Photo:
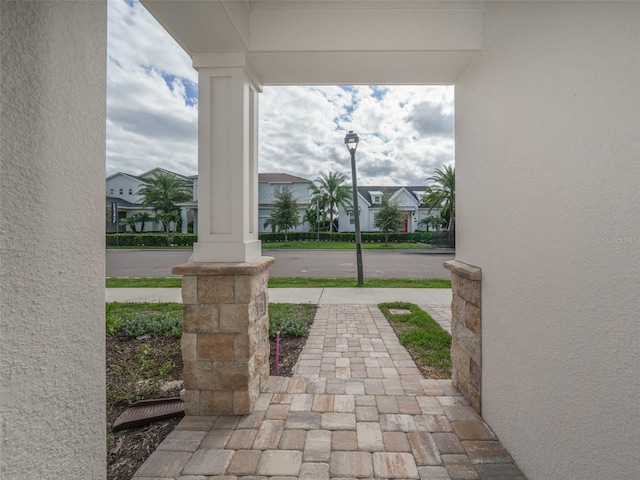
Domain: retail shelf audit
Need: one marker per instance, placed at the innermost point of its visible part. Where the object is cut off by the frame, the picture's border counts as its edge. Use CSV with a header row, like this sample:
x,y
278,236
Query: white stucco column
x,y
227,160
184,214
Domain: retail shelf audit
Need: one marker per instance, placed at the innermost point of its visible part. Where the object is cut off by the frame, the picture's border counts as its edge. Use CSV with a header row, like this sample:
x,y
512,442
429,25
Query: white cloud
x,y
151,119
302,131
405,132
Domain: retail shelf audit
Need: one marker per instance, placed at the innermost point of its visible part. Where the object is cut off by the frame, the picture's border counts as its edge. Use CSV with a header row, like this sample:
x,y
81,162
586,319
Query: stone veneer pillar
x,y
225,342
466,331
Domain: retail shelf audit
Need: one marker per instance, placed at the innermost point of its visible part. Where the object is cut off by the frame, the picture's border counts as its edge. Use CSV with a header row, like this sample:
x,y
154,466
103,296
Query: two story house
x,y
408,198
123,188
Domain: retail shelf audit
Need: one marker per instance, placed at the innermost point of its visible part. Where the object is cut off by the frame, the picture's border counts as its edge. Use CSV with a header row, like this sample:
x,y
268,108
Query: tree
x,y
433,221
128,222
162,193
270,222
285,213
441,193
311,217
142,218
388,218
330,192
169,220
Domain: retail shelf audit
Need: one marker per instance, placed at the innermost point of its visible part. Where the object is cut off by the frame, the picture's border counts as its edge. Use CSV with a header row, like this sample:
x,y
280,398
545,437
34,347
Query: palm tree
x,y
441,193
142,218
163,192
330,192
128,222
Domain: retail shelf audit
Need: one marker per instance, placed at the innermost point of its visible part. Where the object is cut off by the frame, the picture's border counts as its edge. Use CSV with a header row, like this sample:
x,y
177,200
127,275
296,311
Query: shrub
x,y
435,238
150,239
136,324
113,324
293,320
159,239
291,327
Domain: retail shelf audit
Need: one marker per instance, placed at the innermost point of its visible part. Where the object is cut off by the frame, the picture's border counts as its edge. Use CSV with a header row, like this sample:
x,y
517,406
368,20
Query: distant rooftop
x,y
281,178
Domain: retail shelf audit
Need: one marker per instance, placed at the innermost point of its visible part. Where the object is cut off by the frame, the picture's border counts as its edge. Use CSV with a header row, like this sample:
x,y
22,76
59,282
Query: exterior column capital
x,y
212,64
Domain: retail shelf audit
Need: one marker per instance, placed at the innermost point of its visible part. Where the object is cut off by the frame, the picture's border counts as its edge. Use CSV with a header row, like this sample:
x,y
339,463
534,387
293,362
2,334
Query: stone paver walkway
x,y
357,407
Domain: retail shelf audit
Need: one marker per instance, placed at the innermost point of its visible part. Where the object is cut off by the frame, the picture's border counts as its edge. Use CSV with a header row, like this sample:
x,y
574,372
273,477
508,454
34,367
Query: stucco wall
x,y
547,146
52,140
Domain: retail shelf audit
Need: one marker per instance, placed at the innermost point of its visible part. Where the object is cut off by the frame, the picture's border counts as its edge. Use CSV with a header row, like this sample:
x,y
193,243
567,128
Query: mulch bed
x,y
128,449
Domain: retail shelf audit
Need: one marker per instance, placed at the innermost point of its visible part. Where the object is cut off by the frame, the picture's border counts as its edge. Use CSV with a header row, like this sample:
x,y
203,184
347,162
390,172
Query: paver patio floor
x,y
356,407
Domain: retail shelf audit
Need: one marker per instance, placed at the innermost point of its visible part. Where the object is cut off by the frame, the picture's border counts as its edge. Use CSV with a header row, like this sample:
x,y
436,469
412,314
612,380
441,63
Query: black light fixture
x,y
351,141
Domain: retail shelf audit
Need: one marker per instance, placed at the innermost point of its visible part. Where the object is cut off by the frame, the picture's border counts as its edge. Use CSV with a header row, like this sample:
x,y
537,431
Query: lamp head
x,y
351,141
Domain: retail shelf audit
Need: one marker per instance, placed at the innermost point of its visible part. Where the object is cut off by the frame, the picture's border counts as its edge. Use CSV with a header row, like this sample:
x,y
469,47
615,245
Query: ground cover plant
x,y
144,282
292,282
427,343
144,361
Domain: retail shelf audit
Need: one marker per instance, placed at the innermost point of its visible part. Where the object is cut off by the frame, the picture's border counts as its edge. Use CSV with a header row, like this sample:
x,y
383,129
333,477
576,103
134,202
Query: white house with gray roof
x,y
270,185
123,188
408,198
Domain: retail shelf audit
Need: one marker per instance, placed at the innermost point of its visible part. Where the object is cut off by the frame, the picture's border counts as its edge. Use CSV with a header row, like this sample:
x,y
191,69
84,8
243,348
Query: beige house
x,y
547,97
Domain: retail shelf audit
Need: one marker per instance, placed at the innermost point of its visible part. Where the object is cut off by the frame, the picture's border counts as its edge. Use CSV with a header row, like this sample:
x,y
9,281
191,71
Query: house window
x,y
131,191
121,191
278,189
111,192
352,219
376,197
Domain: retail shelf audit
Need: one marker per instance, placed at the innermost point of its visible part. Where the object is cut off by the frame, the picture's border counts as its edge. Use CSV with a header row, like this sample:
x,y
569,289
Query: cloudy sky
x,y
405,132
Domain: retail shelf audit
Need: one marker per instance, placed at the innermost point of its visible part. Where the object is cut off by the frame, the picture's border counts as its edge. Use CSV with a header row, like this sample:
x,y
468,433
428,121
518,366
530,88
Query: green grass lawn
x,y
291,282
310,245
301,245
310,282
133,247
424,339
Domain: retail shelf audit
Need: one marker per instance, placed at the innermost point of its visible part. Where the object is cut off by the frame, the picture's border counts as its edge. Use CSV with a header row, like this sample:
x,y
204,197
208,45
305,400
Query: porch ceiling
x,y
329,42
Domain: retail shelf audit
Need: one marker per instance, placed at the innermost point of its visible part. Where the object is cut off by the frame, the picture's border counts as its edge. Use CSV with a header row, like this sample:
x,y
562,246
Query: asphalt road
x,y
295,263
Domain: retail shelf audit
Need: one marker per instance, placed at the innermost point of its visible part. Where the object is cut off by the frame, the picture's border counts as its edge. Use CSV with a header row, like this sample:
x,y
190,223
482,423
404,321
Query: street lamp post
x,y
351,141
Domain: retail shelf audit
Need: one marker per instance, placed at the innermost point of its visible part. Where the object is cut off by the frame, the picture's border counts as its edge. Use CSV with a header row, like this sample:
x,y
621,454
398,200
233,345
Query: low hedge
x,y
150,239
188,239
435,238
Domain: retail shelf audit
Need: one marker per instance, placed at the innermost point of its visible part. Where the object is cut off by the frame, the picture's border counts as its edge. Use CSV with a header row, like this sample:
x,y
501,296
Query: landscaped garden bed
x,y
144,361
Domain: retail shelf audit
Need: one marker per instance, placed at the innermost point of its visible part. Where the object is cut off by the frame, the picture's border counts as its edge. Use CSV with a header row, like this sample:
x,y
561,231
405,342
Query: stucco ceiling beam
x,y
360,68
366,30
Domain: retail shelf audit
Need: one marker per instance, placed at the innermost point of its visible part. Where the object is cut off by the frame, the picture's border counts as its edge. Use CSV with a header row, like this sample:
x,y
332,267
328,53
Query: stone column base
x,y
466,331
225,341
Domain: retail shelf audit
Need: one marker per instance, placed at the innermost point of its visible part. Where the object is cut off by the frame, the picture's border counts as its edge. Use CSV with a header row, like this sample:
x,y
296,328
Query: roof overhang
x,y
309,42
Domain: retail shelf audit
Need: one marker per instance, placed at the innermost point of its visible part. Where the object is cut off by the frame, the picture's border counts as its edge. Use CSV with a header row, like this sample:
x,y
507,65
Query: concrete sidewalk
x,y
435,301
320,296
